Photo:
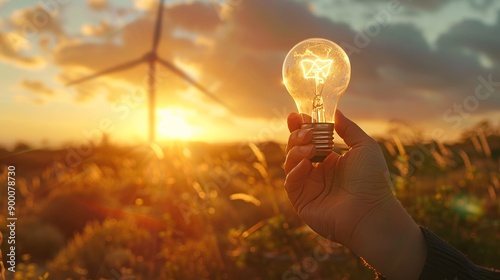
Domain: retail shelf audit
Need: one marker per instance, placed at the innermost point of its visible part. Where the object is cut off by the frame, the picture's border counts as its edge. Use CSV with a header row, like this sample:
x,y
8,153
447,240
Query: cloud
x,y
397,69
274,25
98,5
429,5
113,90
399,75
22,28
250,49
145,4
101,29
37,87
396,75
11,45
33,20
475,36
79,58
44,42
424,5
183,15
480,4
40,92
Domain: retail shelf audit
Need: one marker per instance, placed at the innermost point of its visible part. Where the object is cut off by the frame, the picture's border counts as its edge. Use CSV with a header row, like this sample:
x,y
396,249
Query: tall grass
x,y
199,211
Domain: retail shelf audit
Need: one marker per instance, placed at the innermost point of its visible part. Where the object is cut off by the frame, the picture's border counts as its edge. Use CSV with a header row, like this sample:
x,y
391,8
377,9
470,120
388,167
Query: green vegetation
x,y
199,211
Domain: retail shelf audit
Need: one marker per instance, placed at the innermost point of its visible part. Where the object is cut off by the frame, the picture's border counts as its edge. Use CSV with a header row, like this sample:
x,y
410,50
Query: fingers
x,y
349,131
295,179
295,120
330,162
298,148
352,134
297,154
299,137
305,118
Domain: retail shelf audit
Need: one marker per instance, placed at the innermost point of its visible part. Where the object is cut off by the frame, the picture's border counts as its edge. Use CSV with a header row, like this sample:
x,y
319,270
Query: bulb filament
x,y
317,69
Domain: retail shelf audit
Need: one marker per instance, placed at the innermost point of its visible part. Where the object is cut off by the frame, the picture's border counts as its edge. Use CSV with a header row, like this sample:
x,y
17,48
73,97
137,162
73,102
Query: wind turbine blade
x,y
159,18
188,79
107,71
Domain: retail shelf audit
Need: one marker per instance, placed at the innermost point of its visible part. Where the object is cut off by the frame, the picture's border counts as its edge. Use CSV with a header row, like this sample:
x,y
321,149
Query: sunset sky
x,y
417,62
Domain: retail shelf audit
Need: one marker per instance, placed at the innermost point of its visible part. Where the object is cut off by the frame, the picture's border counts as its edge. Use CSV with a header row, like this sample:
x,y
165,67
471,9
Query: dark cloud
x,y
418,4
395,73
401,56
250,50
475,36
480,4
400,75
279,25
193,16
429,5
392,72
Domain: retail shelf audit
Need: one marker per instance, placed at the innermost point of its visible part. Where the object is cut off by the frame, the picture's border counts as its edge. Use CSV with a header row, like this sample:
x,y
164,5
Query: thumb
x,y
352,134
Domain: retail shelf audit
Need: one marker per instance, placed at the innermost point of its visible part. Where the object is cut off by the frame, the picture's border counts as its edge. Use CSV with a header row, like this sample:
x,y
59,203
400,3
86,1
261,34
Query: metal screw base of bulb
x,y
322,139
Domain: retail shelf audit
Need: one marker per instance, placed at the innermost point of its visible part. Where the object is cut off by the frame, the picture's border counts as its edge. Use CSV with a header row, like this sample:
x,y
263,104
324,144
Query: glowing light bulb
x,y
316,73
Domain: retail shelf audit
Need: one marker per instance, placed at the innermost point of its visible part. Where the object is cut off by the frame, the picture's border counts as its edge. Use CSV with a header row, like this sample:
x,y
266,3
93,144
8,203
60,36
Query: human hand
x,y
348,199
337,195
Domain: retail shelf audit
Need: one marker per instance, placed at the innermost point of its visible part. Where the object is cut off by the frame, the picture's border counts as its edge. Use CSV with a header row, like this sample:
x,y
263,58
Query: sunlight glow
x,y
314,69
173,123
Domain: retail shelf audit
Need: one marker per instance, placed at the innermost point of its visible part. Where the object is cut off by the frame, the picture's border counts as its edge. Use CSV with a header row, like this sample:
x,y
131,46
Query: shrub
x,y
106,250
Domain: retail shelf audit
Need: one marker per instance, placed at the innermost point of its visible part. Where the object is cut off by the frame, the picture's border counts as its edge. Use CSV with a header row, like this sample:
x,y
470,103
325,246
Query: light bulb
x,y
316,73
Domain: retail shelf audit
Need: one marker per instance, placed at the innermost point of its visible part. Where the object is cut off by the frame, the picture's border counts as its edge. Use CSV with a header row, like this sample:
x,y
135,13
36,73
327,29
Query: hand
x,y
336,196
348,199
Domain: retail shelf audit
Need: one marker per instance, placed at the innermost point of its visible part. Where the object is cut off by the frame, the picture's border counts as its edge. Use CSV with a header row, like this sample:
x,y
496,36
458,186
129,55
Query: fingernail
x,y
306,149
303,133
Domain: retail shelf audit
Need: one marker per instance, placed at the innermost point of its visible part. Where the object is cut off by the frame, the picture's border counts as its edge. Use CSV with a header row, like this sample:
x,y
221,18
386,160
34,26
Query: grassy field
x,y
207,211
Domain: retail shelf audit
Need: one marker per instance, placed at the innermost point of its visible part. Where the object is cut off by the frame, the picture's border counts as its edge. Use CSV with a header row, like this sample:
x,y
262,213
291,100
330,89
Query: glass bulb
x,y
316,73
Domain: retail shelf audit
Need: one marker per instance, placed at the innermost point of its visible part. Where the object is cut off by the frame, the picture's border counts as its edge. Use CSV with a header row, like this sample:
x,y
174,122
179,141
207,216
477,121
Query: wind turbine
x,y
151,58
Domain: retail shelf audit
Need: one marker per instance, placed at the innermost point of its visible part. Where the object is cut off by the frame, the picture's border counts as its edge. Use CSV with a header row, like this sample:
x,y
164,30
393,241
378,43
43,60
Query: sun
x,y
173,124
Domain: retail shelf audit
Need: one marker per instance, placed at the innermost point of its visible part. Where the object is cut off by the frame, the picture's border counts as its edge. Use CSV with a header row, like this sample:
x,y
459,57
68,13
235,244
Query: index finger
x,y
295,120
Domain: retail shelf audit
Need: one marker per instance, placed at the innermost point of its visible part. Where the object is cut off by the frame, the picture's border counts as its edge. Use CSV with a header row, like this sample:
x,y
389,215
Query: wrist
x,y
390,241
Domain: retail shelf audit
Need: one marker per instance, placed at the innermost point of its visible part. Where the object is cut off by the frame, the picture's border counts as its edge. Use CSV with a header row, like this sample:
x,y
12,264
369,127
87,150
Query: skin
x,y
348,199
